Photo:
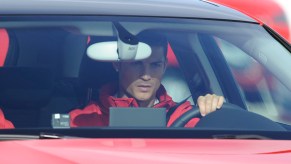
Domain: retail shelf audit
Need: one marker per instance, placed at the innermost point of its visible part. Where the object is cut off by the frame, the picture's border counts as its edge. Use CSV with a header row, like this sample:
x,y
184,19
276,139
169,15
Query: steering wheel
x,y
230,116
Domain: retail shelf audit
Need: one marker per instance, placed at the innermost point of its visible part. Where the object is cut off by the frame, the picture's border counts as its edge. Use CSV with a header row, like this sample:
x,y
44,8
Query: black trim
x,y
278,37
83,17
191,67
173,133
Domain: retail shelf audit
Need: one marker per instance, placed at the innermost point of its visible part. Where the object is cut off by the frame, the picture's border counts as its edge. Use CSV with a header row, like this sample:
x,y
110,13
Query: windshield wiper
x,y
9,137
5,137
245,136
50,136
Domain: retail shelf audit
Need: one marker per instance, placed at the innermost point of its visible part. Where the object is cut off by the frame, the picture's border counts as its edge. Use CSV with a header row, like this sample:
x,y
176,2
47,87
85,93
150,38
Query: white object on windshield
x,y
107,51
127,47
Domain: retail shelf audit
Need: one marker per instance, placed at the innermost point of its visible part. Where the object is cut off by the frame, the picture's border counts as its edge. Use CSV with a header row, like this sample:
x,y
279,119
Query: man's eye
x,y
157,64
136,63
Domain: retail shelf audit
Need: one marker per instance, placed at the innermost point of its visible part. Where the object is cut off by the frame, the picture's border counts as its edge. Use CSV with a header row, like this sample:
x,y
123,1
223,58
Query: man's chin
x,y
143,97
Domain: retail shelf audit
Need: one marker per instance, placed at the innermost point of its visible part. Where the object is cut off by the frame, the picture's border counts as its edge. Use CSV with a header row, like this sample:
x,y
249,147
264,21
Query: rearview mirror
x,y
112,51
126,48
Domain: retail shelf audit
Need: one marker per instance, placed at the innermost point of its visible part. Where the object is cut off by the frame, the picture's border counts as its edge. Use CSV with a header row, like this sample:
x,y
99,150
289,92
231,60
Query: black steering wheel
x,y
230,116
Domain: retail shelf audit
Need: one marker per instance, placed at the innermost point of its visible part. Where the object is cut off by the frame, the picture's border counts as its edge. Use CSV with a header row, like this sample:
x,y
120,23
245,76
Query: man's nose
x,y
146,73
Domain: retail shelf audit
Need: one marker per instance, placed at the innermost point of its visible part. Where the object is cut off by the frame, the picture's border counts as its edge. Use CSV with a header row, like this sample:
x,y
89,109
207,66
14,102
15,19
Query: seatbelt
x,y
172,109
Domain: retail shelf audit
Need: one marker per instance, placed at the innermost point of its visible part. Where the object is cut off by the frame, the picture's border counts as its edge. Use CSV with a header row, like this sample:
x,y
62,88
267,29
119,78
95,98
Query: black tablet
x,y
137,117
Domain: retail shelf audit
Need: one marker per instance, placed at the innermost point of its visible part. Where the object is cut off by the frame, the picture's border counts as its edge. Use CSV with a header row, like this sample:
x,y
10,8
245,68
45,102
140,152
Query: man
x,y
139,85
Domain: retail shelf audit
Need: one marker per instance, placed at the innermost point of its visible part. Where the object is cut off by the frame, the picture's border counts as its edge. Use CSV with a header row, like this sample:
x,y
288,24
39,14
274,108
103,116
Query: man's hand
x,y
209,103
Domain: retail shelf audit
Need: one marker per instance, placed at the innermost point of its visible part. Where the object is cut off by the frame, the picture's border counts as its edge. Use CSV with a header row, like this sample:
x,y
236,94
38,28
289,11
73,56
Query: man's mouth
x,y
144,87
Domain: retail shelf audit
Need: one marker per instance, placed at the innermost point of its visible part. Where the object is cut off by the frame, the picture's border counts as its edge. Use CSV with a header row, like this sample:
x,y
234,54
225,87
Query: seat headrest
x,y
24,87
4,40
94,74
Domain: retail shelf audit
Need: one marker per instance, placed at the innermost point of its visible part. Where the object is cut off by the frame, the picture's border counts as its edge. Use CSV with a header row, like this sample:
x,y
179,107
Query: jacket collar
x,y
108,100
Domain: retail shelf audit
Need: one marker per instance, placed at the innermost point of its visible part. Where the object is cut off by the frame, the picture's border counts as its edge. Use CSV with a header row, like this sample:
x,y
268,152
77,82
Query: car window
x,y
49,80
263,92
143,81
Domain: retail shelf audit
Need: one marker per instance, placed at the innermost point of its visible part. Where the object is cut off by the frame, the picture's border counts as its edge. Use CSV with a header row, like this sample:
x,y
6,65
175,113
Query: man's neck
x,y
148,103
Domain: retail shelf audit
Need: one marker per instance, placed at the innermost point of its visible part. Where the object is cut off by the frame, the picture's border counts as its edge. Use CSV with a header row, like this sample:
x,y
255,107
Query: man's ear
x,y
116,66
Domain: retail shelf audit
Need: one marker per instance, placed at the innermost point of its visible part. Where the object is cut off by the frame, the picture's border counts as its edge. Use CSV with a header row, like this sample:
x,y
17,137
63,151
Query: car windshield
x,y
49,79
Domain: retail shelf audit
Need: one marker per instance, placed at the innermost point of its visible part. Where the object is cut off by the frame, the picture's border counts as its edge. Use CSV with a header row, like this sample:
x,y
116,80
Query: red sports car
x,y
65,96
271,12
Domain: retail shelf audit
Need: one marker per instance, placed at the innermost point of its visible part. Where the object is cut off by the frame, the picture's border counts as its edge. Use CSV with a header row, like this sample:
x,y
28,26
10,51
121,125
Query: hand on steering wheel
x,y
195,113
230,116
209,103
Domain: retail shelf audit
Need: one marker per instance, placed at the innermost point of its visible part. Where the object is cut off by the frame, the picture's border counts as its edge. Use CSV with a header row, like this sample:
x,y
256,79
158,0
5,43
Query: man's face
x,y
141,79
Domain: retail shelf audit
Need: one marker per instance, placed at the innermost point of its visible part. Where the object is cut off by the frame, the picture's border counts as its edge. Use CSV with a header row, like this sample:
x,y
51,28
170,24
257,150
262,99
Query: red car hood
x,y
145,151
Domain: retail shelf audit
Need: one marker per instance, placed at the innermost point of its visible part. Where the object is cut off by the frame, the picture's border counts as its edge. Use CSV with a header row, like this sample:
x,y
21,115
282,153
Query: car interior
x,y
56,76
47,70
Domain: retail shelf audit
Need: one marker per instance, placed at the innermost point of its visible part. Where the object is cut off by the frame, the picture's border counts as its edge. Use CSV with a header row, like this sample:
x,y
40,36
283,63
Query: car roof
x,y
156,8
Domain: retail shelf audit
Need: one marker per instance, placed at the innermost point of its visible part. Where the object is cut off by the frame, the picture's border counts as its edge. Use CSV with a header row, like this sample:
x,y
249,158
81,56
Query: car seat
x,y
94,74
67,93
4,45
24,91
55,49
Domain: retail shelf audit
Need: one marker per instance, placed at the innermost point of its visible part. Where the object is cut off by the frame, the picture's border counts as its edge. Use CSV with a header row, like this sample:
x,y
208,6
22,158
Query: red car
x,y
56,56
268,11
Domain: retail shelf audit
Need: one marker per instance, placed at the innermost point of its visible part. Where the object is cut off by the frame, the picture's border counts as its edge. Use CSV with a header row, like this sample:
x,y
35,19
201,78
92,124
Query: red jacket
x,y
97,113
5,124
